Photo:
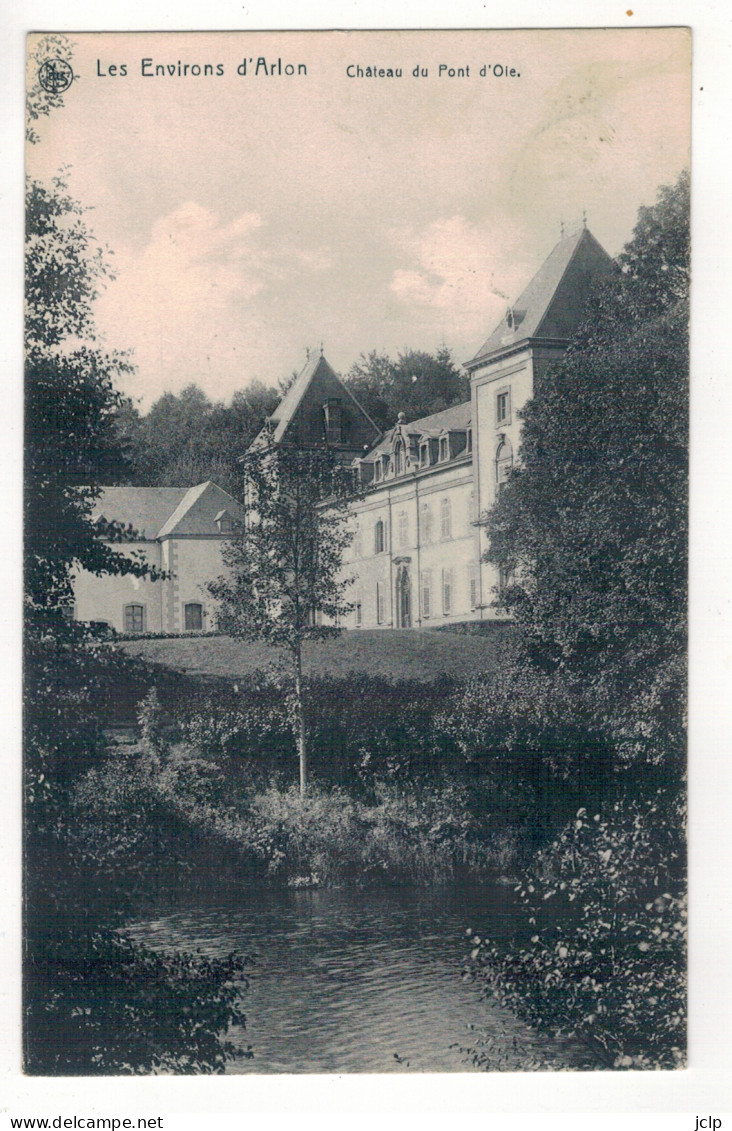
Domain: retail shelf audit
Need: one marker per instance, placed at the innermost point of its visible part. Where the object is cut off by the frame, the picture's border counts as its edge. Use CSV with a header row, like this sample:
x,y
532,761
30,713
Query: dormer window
x,y
424,454
444,448
333,413
385,466
224,522
400,461
469,441
377,471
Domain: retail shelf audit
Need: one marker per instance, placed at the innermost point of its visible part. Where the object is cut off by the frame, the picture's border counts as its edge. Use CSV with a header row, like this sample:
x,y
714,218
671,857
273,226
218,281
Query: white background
x,y
704,1088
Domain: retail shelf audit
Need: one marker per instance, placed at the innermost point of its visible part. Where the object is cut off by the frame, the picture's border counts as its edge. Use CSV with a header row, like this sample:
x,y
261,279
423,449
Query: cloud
x,y
192,301
458,271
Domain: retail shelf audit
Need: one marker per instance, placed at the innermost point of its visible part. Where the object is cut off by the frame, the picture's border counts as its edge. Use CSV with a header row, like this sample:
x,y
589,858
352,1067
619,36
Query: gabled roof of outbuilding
x,y
144,508
156,512
550,306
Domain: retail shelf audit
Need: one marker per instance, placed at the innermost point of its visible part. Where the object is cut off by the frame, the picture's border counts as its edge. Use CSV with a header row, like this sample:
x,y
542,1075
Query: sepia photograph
x,y
356,552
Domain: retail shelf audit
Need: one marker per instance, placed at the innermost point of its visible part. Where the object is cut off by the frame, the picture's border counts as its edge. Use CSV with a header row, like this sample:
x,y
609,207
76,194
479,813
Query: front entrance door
x,y
403,599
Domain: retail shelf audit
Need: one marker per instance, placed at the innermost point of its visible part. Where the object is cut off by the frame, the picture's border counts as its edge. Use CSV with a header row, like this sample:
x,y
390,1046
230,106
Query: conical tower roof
x,y
550,308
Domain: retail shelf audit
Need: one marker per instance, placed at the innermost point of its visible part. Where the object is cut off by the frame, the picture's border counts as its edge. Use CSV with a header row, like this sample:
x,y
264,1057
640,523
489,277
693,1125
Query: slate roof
x,y
155,512
548,305
284,413
456,418
147,509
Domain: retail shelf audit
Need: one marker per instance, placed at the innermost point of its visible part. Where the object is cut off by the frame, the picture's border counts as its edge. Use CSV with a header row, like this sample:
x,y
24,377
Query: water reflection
x,y
350,981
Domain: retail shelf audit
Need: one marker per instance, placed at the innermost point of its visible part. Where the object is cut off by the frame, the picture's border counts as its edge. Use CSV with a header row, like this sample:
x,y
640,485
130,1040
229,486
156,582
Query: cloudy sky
x,y
252,216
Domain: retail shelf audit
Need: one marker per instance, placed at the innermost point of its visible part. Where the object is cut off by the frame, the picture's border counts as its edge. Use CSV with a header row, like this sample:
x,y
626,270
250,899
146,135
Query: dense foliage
x,y
593,524
605,960
186,438
93,1000
223,782
134,1010
593,527
70,401
417,383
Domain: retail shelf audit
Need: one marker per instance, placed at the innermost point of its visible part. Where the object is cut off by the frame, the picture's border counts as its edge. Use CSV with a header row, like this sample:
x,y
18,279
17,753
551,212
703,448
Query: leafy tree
x,y
70,401
186,438
602,958
93,1001
40,102
594,521
285,561
417,383
594,524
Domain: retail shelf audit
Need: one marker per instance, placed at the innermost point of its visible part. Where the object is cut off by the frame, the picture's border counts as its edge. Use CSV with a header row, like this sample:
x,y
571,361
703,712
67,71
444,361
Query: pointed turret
x,y
550,308
319,409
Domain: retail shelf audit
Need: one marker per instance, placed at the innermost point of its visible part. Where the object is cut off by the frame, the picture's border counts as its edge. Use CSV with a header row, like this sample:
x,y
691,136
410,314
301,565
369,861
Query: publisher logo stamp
x,y
55,76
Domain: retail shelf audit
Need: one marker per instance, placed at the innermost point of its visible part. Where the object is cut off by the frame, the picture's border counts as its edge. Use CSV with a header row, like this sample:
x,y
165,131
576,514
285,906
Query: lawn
x,y
402,654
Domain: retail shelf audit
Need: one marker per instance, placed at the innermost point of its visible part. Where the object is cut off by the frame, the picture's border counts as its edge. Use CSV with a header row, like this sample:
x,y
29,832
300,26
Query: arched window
x,y
504,463
445,518
426,524
134,618
379,537
193,616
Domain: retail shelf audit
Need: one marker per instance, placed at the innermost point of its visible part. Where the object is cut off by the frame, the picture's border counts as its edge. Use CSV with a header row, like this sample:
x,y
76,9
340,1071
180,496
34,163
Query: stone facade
x,y
417,551
416,556
180,531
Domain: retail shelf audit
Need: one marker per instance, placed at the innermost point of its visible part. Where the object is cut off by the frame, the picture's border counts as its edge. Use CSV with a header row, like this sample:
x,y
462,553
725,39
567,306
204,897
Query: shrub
x,y
602,957
99,1003
522,730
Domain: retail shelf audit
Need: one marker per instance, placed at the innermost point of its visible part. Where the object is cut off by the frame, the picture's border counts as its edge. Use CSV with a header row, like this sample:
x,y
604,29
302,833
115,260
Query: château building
x,y
416,554
417,550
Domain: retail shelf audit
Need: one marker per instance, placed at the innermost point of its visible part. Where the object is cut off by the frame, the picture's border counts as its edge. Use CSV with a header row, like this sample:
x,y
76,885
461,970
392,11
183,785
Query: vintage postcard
x,y
356,551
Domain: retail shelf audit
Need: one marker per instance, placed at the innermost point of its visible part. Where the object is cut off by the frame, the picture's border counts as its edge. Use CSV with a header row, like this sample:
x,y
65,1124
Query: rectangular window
x,y
426,593
424,455
503,406
444,449
379,602
446,591
359,614
445,519
505,578
193,617
134,618
473,585
403,529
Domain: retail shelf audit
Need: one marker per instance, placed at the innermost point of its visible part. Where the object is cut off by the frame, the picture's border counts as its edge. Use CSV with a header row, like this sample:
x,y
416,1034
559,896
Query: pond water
x,y
353,981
